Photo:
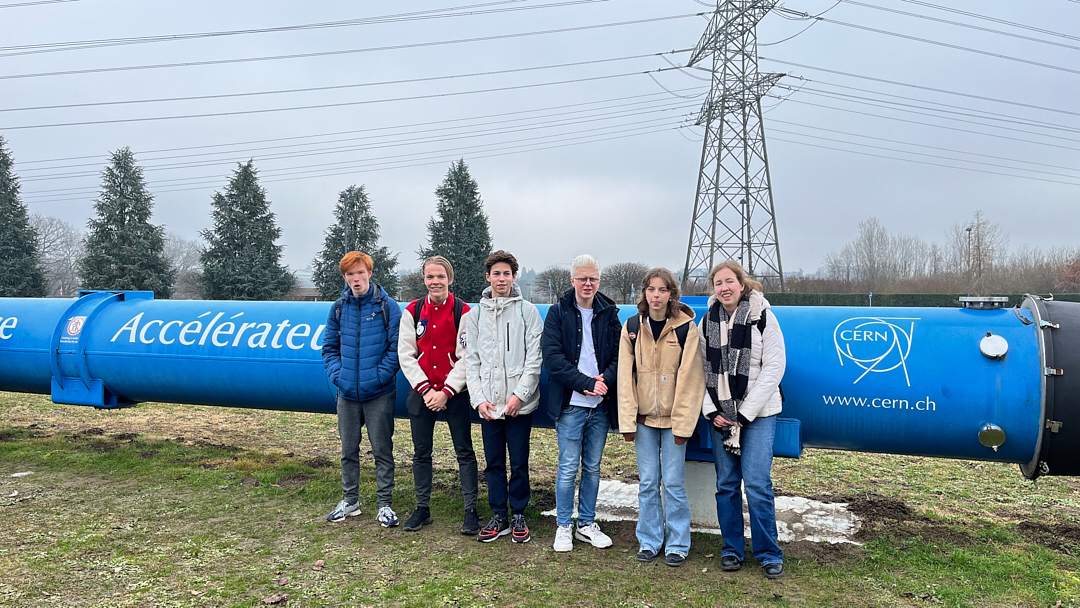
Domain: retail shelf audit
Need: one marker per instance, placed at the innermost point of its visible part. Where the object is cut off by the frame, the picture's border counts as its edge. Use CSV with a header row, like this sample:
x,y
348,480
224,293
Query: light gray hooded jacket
x,y
502,352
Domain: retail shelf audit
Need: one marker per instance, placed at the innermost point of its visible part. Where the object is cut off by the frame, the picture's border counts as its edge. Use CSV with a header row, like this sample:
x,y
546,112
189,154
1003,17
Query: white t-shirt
x,y
587,361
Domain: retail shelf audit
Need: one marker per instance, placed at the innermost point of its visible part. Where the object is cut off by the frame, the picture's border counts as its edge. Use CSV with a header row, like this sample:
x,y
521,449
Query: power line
x,y
332,105
994,19
964,25
337,87
35,3
470,133
970,112
925,155
919,162
459,11
346,51
907,143
890,104
562,109
378,165
940,126
939,43
924,88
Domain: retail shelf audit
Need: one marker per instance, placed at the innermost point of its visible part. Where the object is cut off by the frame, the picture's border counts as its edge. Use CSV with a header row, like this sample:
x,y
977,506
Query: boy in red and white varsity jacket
x,y
431,351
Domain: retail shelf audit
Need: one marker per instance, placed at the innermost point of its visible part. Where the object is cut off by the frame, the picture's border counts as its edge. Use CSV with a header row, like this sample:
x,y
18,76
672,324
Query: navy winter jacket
x,y
360,349
561,345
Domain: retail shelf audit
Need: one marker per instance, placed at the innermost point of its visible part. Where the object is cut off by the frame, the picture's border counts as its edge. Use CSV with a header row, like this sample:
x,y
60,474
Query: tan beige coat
x,y
670,382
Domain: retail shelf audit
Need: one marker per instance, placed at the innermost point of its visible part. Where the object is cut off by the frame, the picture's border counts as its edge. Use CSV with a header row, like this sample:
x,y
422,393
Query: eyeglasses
x,y
587,279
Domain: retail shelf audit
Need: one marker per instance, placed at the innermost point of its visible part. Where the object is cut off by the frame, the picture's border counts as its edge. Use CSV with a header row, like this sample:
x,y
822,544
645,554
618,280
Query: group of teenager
x,y
650,379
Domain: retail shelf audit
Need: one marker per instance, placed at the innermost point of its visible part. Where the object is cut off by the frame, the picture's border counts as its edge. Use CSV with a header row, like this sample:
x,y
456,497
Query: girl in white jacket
x,y
743,355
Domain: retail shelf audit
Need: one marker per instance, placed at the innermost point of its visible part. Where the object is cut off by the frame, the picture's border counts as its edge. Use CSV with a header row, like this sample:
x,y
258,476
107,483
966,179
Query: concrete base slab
x,y
797,518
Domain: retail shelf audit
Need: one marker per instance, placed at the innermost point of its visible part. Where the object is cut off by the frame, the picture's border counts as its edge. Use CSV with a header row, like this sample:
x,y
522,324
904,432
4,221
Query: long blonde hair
x,y
740,274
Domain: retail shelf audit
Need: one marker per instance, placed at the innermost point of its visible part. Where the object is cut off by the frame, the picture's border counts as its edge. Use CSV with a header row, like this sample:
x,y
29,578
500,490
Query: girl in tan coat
x,y
661,387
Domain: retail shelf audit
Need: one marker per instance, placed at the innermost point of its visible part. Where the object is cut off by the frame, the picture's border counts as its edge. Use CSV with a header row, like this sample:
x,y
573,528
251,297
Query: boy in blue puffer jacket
x,y
360,355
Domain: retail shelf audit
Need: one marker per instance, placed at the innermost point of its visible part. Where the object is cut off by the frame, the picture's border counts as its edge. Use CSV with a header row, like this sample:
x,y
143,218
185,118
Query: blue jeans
x,y
661,461
501,436
582,433
378,415
754,470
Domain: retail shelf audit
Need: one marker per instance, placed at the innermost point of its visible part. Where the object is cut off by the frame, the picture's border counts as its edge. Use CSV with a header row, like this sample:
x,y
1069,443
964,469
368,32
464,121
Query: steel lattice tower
x,y
734,217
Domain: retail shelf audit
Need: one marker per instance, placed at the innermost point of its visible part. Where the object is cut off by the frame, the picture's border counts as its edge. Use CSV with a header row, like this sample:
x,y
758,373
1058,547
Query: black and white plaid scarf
x,y
727,350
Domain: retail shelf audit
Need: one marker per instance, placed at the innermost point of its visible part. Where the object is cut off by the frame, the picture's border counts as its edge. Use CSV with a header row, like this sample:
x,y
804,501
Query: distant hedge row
x,y
886,299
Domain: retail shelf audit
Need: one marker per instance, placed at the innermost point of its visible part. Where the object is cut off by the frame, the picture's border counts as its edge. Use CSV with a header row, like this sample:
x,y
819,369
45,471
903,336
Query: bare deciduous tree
x,y
622,279
550,284
61,246
185,257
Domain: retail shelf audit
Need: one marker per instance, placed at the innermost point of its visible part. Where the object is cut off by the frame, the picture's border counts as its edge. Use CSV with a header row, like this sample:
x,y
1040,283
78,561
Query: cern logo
x,y
875,344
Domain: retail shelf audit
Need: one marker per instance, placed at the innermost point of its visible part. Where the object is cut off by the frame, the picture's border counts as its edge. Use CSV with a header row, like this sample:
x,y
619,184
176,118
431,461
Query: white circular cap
x,y
994,347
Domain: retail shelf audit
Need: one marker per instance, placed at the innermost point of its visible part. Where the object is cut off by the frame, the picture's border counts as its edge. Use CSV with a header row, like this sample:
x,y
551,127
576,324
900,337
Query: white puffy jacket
x,y
502,352
768,360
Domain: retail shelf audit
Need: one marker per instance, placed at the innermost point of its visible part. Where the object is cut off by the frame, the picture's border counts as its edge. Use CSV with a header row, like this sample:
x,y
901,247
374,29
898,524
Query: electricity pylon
x,y
734,217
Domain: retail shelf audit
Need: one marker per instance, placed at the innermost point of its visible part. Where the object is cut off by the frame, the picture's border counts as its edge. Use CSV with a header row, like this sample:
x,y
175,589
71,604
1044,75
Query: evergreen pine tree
x,y
459,232
241,260
123,249
353,202
21,272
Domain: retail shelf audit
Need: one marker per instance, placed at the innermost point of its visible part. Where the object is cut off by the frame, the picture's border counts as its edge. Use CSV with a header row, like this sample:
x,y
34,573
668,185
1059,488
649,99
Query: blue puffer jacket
x,y
360,349
561,345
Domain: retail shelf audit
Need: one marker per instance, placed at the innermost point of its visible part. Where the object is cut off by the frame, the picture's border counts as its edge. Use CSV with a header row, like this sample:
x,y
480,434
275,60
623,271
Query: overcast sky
x,y
598,165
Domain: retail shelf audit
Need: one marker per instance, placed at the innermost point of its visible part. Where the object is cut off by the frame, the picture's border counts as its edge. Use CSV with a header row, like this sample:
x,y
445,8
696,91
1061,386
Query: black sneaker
x,y
494,529
730,563
521,530
773,570
674,560
471,525
646,555
418,519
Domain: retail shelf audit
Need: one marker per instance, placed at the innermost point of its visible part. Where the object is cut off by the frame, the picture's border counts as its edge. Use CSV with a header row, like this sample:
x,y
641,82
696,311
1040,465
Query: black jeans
x,y
502,436
422,421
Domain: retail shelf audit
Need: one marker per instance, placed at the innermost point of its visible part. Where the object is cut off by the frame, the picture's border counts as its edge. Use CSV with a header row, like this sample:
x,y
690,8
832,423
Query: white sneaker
x,y
564,538
592,535
387,517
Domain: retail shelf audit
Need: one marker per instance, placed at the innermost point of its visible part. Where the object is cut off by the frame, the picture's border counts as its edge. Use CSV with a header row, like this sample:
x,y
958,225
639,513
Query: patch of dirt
x,y
250,482
94,430
294,480
622,532
125,436
320,462
148,454
1060,537
542,499
823,553
872,507
6,436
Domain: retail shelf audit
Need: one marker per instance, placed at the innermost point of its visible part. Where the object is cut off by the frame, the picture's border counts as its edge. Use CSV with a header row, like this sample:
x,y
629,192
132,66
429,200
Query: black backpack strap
x,y
337,309
385,312
459,309
418,307
633,326
761,327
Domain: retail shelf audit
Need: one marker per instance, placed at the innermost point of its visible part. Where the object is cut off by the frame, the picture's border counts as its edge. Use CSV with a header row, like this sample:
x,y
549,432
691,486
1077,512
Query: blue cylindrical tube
x,y
891,380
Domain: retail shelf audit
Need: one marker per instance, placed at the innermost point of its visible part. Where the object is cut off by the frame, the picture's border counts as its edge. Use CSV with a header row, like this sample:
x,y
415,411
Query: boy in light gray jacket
x,y
503,361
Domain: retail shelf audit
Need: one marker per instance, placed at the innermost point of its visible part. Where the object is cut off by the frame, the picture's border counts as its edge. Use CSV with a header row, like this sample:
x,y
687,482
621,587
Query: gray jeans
x,y
378,415
422,421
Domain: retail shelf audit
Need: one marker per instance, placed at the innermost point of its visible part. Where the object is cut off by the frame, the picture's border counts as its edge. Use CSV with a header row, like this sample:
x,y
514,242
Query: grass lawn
x,y
176,505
